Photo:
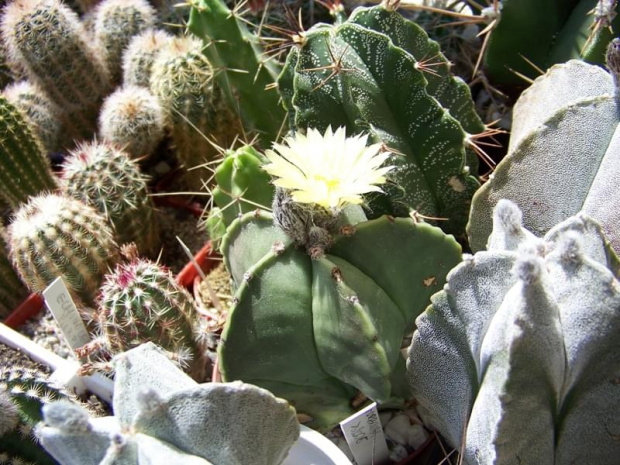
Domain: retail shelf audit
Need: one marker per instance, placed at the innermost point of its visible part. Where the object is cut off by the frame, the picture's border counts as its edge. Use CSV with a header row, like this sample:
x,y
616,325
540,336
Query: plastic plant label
x,y
59,302
364,435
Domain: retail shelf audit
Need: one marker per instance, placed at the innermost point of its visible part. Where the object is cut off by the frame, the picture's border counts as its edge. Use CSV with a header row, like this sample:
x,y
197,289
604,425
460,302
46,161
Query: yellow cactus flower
x,y
329,170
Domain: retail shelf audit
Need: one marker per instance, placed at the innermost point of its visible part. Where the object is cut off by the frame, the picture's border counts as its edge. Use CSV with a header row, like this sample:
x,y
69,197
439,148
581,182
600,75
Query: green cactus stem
x,y
24,168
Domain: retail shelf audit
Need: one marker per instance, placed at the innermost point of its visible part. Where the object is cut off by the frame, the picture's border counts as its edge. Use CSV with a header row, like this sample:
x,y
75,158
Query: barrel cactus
x,y
563,154
518,358
163,416
379,73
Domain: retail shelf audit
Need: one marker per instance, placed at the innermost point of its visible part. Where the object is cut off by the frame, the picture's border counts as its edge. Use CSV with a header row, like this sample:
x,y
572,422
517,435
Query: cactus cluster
x,y
517,359
161,414
140,54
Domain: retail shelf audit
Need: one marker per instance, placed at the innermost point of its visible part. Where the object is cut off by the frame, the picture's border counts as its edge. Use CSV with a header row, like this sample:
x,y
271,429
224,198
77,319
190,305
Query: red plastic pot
x,y
32,305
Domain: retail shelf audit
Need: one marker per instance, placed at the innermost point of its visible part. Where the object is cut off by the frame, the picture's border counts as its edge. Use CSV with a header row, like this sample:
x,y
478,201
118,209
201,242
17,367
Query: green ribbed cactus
x,y
12,290
140,54
23,392
140,302
163,416
24,168
116,22
518,358
243,70
48,40
56,235
42,114
380,73
242,186
183,81
132,118
107,178
563,156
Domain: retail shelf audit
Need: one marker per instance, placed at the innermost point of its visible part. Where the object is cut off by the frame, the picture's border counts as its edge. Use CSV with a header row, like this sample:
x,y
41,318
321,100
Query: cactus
x,y
116,22
243,70
242,186
140,54
183,81
12,290
133,119
548,32
48,40
24,168
565,125
55,235
371,74
139,302
42,114
107,178
517,359
23,392
162,413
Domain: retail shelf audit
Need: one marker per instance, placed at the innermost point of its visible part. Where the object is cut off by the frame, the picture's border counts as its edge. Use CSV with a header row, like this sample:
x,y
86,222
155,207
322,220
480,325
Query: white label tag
x,y
364,435
59,302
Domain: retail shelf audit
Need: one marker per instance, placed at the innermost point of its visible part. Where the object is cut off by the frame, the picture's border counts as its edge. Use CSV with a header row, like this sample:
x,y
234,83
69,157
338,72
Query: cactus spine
x,y
140,54
141,302
24,168
56,235
116,23
41,113
47,38
133,119
107,178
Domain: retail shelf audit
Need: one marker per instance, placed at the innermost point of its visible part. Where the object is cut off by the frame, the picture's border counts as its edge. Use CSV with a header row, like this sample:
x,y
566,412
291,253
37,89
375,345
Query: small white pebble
x,y
398,453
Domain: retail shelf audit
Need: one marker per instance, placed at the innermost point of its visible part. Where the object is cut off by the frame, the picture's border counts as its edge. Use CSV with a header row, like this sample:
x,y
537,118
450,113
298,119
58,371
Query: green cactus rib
x,y
351,75
24,169
309,330
242,69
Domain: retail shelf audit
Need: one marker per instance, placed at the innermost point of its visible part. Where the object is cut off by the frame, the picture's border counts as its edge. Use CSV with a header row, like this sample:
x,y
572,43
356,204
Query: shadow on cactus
x,y
324,297
163,416
517,360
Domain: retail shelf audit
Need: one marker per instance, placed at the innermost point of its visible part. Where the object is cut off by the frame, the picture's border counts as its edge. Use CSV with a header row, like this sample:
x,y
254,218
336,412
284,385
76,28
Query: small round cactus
x,y
12,290
107,178
141,302
116,22
56,235
42,114
132,118
140,54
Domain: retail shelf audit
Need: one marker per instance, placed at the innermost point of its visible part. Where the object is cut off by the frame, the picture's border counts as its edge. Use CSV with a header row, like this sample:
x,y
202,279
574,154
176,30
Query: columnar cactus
x,y
380,73
140,54
517,360
12,290
139,302
132,118
116,22
56,235
163,416
24,167
48,40
107,178
183,81
23,392
42,114
243,71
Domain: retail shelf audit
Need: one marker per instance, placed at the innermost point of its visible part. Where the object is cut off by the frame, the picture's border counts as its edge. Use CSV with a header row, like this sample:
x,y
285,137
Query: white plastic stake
x,y
59,302
364,434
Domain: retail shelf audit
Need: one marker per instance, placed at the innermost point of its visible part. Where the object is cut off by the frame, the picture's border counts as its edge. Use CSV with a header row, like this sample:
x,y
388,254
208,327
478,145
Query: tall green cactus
x,y
242,69
517,359
380,73
48,40
24,168
56,235
163,416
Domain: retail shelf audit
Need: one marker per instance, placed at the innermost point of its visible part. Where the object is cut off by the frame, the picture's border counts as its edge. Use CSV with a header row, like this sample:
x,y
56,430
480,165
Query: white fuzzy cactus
x,y
517,360
163,416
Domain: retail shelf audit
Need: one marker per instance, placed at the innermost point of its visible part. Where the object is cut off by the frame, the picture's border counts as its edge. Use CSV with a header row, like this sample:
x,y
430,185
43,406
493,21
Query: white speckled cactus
x,y
163,414
518,358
